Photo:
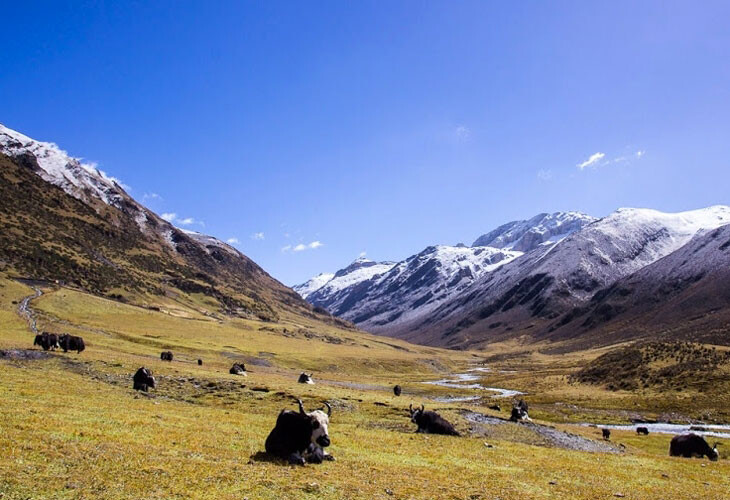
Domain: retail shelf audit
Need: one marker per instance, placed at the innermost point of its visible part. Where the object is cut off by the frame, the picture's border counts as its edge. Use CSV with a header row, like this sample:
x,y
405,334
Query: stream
x,y
468,380
719,431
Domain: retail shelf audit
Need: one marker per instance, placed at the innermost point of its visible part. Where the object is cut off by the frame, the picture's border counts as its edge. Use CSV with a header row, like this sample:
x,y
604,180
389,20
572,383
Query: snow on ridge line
x,y
61,169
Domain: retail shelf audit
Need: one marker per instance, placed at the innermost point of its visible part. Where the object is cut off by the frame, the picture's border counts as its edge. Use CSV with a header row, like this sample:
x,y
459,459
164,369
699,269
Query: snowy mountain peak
x,y
80,180
526,235
306,289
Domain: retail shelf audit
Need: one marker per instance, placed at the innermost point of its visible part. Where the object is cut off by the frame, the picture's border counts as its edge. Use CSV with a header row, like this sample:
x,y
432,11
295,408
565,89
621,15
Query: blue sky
x,y
314,131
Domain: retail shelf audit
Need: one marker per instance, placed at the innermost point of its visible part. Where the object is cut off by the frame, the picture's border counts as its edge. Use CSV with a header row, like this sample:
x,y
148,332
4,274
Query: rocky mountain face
x,y
65,220
527,235
552,278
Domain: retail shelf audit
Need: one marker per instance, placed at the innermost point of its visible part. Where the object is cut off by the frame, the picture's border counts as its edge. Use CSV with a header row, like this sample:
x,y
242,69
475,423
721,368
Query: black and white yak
x,y
305,378
300,437
519,412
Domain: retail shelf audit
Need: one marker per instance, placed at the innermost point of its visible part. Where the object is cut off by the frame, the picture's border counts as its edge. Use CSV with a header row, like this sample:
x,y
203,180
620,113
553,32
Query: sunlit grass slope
x,y
72,427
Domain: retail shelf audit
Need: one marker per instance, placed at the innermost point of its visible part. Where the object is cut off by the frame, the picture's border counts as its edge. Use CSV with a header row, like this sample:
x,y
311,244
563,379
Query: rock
x,y
619,495
389,491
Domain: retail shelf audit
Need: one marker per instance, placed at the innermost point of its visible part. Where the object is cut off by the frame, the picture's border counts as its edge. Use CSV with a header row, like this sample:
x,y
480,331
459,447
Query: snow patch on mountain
x,y
57,167
543,229
312,285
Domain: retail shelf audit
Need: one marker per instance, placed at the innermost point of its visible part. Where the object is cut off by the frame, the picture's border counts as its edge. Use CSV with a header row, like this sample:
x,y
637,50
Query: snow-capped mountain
x,y
103,239
542,290
534,278
378,296
543,229
312,285
80,180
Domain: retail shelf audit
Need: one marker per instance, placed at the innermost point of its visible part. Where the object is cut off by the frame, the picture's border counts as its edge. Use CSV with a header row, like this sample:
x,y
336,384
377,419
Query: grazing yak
x,y
47,341
300,437
430,422
495,407
642,430
238,369
397,390
71,343
692,445
166,355
143,380
606,434
519,411
305,378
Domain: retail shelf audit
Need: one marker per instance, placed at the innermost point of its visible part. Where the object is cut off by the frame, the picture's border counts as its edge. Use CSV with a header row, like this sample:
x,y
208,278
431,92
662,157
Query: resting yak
x,y
47,341
71,343
143,380
397,390
166,356
692,445
430,422
519,411
238,369
300,437
305,378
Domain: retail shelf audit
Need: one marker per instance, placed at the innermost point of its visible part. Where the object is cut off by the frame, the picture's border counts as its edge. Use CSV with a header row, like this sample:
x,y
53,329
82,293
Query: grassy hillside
x,y
73,428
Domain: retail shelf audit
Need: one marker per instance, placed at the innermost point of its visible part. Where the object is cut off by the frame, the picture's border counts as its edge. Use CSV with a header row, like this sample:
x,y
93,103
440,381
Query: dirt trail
x,y
25,311
548,435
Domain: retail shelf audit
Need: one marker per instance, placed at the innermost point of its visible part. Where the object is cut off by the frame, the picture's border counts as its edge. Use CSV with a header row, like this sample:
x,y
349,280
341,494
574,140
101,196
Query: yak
x,y
238,369
305,378
642,430
495,407
166,356
143,380
200,362
692,445
71,343
519,411
430,422
397,390
47,341
300,437
606,434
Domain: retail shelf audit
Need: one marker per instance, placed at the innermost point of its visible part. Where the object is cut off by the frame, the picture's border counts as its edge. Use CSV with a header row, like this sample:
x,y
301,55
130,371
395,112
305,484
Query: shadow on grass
x,y
263,457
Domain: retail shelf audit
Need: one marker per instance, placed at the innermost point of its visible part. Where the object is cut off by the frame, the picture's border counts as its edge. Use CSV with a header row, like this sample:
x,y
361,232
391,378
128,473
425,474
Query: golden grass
x,y
73,428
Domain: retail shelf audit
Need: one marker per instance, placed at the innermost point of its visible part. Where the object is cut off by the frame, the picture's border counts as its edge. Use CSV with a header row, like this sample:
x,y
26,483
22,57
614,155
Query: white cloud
x,y
593,159
257,236
232,241
545,175
462,133
640,153
362,254
302,247
173,218
151,196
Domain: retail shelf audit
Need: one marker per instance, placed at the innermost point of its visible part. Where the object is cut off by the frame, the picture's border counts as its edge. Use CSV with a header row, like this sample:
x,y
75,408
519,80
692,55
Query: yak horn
x,y
422,408
301,407
410,408
329,408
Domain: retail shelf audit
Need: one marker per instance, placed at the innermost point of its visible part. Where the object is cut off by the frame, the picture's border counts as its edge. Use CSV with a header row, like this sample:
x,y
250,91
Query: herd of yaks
x,y
300,436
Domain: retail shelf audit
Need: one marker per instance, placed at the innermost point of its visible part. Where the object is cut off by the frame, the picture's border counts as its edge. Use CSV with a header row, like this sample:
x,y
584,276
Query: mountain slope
x,y
67,221
527,235
380,297
538,293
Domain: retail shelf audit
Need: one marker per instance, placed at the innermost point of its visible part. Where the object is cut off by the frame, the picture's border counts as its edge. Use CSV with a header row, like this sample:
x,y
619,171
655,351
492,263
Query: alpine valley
x,y
569,278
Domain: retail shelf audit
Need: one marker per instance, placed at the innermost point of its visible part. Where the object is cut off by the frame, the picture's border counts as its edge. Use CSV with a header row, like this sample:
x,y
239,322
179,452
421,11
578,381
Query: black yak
x,y
166,356
642,430
606,434
71,343
47,341
692,445
430,422
397,390
143,380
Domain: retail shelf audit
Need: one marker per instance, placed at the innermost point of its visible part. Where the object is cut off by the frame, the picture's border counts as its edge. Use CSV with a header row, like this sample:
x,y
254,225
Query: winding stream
x,y
468,381
719,431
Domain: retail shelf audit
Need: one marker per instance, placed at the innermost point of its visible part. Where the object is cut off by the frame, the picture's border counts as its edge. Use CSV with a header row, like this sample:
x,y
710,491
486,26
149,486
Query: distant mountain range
x,y
565,277
66,220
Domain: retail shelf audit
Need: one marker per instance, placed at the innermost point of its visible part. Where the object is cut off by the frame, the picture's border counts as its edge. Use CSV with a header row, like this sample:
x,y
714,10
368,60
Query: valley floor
x,y
71,426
